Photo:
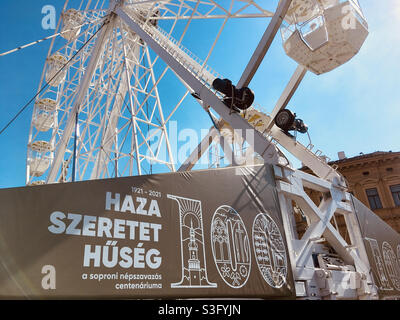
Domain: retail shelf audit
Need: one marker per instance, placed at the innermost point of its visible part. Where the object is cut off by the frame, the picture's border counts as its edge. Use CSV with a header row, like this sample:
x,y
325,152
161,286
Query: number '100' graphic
x,y
230,245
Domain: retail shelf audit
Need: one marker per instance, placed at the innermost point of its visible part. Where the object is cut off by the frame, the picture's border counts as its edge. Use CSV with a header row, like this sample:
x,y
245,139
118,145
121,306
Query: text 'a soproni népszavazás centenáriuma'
x,y
110,255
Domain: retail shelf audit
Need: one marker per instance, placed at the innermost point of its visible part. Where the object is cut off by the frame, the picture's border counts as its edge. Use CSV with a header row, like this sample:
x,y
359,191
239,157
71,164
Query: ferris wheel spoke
x,y
116,101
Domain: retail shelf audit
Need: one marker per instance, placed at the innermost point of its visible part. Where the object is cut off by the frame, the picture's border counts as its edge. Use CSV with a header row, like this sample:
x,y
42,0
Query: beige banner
x,y
383,248
211,233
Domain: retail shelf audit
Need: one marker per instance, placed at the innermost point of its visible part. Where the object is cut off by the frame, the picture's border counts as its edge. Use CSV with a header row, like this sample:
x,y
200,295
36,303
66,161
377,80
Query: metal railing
x,y
184,56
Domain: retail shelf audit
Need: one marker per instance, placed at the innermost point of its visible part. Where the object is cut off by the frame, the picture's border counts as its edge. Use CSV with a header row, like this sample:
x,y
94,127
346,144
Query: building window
x,y
373,199
396,194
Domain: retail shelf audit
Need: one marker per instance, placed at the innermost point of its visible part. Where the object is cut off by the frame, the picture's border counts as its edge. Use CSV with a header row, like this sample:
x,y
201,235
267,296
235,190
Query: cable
x,y
46,85
44,39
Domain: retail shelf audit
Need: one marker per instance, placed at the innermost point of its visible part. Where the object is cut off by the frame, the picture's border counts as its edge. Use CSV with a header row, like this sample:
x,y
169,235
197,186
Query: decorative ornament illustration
x,y
269,250
230,246
384,280
392,265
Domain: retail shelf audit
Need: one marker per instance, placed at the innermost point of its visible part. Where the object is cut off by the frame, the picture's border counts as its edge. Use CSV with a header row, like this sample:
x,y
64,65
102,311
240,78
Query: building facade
x,y
374,179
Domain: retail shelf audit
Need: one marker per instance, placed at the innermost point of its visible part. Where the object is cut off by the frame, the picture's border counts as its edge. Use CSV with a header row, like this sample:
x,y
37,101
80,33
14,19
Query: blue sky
x,y
354,108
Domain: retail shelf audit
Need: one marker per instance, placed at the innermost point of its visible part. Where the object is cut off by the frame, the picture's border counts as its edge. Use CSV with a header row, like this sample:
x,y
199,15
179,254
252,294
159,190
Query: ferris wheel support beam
x,y
308,158
228,151
261,145
110,133
82,91
264,44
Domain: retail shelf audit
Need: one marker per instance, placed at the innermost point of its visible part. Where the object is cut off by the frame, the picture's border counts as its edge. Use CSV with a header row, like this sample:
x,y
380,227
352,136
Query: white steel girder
x,y
264,44
199,151
290,185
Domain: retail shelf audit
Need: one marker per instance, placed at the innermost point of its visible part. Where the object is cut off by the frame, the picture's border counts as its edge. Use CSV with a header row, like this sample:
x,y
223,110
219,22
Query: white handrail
x,y
188,59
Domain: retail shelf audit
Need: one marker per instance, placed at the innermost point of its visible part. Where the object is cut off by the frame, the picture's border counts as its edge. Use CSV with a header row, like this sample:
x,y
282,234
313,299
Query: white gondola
x,y
324,34
39,159
55,63
72,19
44,112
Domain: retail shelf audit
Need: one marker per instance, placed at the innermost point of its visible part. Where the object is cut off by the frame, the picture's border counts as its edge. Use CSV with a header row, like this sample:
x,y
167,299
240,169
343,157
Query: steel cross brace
x,y
290,185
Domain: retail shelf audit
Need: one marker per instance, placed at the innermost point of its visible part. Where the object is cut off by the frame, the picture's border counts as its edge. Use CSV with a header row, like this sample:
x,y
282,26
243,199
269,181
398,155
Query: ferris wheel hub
x,y
323,35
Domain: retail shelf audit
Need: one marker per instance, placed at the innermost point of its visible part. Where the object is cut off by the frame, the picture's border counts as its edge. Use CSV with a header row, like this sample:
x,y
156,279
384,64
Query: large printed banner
x,y
383,249
211,233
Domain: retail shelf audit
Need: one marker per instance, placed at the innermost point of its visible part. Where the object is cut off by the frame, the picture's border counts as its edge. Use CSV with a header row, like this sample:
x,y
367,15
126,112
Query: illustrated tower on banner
x,y
194,262
193,257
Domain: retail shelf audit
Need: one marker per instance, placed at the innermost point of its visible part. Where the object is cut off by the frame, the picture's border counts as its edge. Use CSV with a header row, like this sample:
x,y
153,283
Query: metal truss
x,y
329,281
205,9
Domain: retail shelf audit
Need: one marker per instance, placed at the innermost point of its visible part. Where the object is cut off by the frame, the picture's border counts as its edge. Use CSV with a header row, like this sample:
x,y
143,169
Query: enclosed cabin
x,y
44,114
40,155
323,34
72,22
55,74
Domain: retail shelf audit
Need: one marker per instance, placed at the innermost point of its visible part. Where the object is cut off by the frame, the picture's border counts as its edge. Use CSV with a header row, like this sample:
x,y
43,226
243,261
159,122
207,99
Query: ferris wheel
x,y
102,113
